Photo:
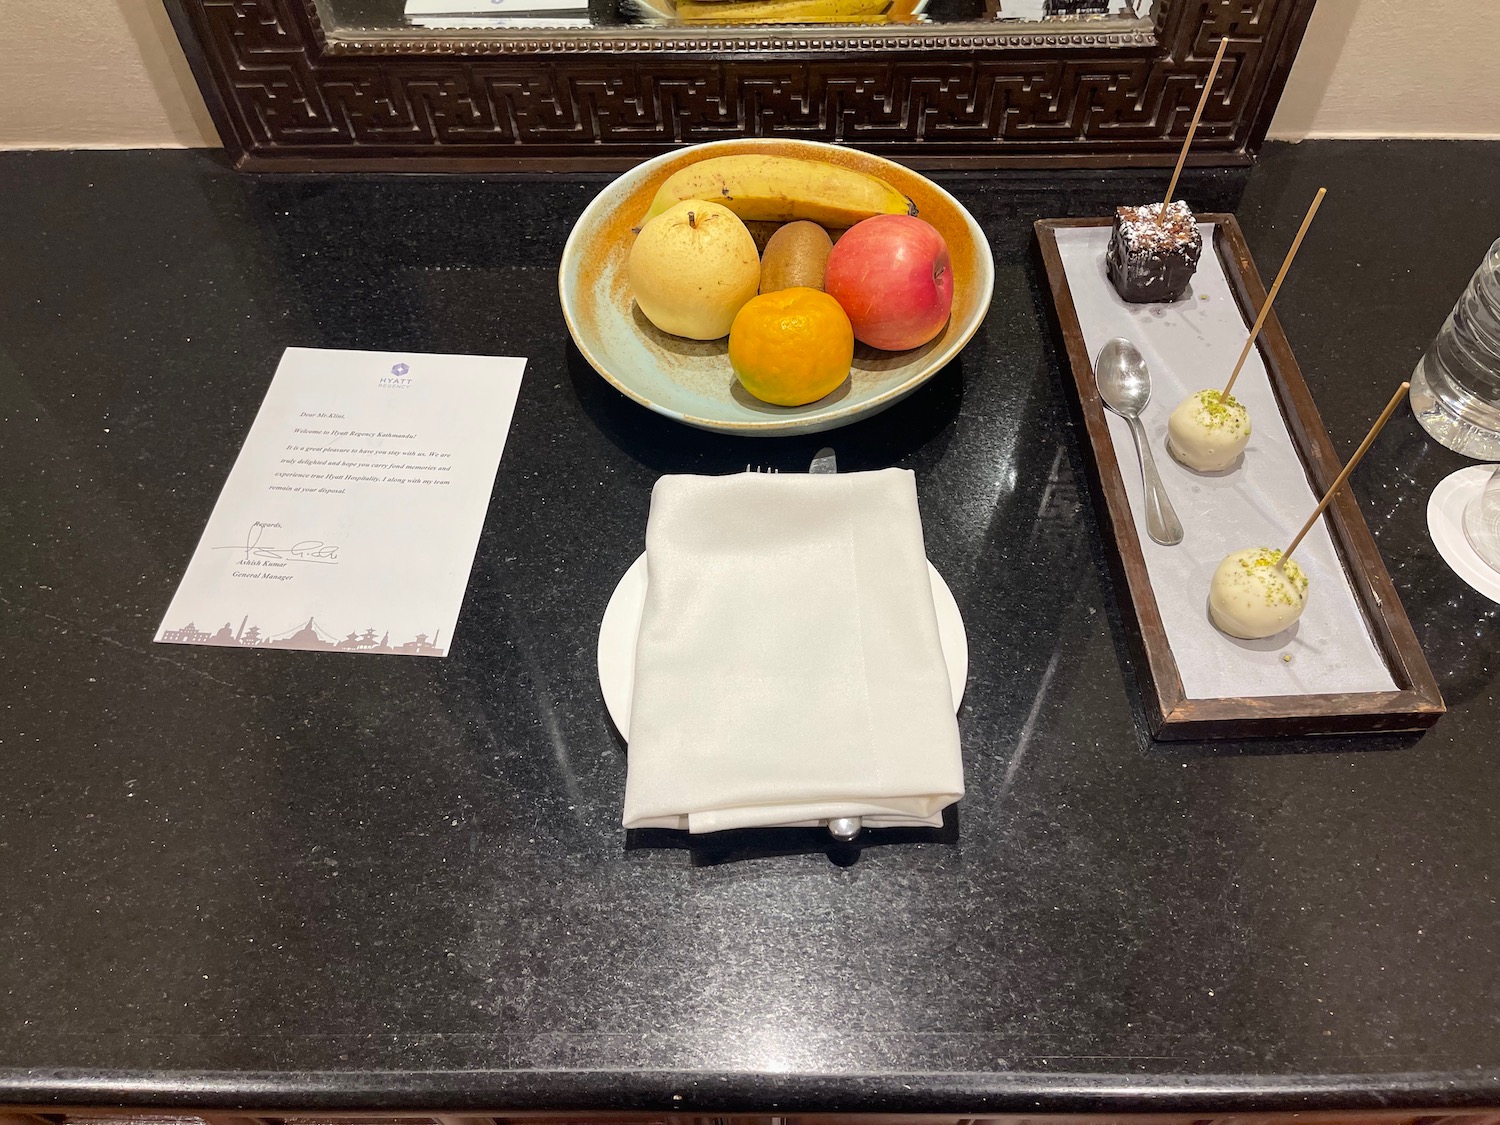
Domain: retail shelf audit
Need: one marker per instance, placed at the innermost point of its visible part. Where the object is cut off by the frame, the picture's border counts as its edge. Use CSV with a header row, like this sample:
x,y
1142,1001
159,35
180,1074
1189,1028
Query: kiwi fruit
x,y
796,255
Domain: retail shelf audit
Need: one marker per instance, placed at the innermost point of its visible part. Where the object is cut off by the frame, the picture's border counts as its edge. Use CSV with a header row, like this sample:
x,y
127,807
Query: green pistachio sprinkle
x,y
1220,412
1257,564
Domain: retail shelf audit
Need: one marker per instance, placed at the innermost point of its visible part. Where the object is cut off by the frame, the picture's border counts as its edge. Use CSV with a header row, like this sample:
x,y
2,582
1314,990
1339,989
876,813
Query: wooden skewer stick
x,y
1265,309
1338,483
1208,85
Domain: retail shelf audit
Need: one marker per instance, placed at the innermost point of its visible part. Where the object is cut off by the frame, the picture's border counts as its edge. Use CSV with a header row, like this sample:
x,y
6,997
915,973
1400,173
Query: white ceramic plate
x,y
691,380
1445,523
622,624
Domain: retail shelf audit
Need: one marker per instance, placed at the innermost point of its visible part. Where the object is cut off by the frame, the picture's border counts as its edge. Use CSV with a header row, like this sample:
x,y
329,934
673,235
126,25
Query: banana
x,y
783,11
781,189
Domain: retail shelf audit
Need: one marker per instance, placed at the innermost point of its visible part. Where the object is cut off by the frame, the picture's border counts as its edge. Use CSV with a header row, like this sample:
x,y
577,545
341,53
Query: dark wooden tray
x,y
1416,704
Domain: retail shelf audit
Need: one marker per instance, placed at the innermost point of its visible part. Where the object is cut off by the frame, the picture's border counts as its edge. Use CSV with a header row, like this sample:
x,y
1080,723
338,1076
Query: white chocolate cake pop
x,y
1251,597
1208,431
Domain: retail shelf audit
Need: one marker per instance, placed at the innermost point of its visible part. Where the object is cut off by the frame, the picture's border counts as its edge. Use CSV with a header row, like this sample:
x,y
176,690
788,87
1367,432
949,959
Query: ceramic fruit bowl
x,y
691,380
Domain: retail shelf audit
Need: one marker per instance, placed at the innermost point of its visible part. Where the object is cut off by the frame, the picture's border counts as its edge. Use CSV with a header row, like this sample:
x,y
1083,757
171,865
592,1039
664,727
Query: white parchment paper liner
x,y
1189,345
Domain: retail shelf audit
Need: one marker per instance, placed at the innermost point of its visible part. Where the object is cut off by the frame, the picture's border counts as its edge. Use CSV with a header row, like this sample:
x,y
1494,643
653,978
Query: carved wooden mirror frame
x,y
289,93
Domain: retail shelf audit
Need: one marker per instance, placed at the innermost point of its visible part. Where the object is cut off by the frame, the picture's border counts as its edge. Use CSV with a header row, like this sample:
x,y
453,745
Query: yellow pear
x,y
692,268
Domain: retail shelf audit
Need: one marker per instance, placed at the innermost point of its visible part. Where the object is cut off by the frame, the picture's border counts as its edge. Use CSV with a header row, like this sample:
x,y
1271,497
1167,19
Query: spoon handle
x,y
1161,519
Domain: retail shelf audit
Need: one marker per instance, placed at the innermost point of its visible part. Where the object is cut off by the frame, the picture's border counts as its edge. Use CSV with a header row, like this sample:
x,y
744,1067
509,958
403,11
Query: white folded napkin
x,y
788,668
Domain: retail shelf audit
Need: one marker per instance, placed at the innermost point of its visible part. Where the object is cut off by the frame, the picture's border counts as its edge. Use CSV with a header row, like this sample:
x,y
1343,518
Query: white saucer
x,y
1445,523
622,623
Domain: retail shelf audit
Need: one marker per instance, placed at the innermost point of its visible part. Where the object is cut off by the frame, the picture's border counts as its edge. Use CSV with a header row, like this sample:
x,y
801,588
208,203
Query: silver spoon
x,y
1125,386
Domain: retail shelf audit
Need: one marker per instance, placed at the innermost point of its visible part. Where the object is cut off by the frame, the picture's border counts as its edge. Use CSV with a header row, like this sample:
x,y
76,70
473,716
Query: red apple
x,y
892,275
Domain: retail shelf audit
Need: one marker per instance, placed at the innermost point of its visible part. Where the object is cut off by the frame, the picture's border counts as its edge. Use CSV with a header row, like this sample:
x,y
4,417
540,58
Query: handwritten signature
x,y
304,550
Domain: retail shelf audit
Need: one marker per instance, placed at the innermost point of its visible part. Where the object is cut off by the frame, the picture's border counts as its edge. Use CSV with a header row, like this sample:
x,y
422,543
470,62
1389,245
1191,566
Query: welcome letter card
x,y
350,519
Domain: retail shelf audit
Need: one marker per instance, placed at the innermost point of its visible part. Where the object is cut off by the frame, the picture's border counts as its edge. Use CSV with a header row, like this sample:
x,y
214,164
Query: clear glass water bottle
x,y
1455,390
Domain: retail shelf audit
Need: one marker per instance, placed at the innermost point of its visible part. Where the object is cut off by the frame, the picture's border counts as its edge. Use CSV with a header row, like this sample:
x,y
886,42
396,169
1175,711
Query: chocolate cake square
x,y
1152,257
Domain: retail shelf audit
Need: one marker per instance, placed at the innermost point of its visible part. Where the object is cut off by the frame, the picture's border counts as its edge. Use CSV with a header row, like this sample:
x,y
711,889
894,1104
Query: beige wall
x,y
96,74
1395,68
109,74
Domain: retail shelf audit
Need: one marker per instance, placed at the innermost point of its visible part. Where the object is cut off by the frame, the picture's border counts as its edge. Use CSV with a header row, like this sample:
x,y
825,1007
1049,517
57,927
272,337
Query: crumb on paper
x,y
1286,658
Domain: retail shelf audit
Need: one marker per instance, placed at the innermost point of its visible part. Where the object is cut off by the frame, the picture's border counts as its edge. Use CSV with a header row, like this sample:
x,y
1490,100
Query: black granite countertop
x,y
288,879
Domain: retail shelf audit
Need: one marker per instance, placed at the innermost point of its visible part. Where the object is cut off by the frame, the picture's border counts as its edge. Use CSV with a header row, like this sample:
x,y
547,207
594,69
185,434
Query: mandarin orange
x,y
791,347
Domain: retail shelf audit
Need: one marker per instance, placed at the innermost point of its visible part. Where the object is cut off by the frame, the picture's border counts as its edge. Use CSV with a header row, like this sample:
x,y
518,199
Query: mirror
x,y
440,18
575,85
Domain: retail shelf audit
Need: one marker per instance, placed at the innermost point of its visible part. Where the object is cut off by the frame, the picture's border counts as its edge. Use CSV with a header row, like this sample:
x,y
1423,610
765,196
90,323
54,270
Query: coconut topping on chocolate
x,y
1141,231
